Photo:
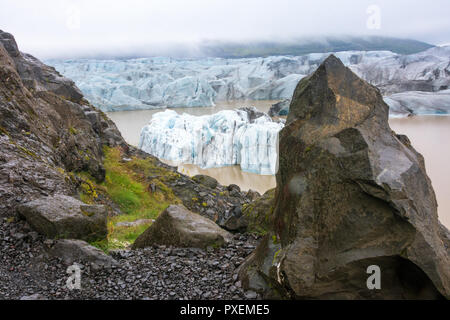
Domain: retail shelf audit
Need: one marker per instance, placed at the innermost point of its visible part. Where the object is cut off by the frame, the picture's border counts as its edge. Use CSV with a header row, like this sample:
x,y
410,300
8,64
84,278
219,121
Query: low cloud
x,y
108,28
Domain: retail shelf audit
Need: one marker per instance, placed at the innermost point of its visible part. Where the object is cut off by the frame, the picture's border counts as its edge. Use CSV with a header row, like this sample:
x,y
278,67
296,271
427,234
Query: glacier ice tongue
x,y
230,137
158,82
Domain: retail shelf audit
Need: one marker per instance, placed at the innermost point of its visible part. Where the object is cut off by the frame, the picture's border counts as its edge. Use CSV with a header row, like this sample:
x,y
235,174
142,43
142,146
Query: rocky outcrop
x,y
255,217
60,216
47,129
350,194
48,134
77,251
177,226
53,148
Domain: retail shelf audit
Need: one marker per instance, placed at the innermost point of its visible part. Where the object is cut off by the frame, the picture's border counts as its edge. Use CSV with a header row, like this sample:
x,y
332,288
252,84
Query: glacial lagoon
x,y
430,135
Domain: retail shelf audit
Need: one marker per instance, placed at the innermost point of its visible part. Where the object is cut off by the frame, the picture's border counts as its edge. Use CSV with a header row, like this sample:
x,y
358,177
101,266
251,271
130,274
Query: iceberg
x,y
245,137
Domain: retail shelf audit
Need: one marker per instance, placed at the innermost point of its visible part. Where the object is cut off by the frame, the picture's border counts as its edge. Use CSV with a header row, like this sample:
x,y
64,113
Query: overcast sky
x,y
58,28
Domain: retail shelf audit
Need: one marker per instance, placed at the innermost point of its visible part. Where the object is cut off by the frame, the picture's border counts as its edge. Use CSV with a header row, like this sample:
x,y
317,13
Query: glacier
x,y
159,82
419,103
245,137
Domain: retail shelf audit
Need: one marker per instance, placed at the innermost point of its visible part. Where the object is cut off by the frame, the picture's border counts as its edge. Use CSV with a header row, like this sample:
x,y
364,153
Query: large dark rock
x,y
177,226
60,216
72,251
350,194
38,76
47,130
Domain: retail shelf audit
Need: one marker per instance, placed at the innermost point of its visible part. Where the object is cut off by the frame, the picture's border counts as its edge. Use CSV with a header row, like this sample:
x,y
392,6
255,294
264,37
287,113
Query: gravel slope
x,y
151,273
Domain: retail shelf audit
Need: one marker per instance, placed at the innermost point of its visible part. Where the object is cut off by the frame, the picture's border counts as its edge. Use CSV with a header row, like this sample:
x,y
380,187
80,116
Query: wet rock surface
x,y
351,194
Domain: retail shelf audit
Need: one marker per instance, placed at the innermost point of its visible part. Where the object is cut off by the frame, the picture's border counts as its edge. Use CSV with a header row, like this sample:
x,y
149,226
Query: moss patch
x,y
128,186
259,213
73,131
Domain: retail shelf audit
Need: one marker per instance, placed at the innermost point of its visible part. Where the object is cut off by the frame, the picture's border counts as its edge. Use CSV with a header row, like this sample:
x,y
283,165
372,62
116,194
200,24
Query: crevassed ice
x,y
226,138
158,82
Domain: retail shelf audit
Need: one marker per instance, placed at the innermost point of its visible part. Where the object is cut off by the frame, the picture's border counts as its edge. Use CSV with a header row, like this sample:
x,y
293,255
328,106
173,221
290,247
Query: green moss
x,y
73,131
274,239
127,185
88,192
101,244
259,213
26,151
87,213
274,260
3,132
122,237
148,167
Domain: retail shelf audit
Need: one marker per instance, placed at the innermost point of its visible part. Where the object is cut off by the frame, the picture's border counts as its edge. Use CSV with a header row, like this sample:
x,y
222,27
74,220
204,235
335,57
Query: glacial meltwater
x,y
430,135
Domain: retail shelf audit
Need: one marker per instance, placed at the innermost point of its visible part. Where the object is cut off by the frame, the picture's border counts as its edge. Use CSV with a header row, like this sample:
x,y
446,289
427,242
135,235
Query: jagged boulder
x,y
176,226
350,194
61,216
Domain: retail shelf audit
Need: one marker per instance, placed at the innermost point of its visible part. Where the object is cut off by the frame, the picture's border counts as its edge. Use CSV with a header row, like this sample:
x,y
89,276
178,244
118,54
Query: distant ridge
x,y
224,49
255,48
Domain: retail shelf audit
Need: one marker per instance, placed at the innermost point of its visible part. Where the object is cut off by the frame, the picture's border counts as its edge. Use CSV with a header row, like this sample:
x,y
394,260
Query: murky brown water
x,y
430,135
